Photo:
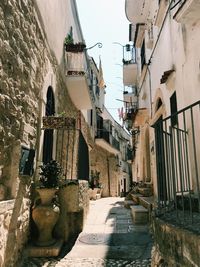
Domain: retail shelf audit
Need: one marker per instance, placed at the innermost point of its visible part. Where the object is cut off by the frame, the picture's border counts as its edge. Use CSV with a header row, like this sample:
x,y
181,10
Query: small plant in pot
x,y
49,181
46,213
50,175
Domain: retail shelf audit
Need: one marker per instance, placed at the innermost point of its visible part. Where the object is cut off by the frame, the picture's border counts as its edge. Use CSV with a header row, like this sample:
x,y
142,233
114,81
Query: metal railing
x,y
108,137
129,54
178,164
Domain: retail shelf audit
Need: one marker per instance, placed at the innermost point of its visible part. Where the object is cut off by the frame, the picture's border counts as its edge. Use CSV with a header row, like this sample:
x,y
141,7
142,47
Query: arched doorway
x,y
48,133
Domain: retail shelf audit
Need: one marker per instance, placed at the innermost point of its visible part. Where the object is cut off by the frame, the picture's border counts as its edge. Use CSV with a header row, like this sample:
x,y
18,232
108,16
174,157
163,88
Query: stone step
x,y
135,197
128,203
147,202
145,191
140,215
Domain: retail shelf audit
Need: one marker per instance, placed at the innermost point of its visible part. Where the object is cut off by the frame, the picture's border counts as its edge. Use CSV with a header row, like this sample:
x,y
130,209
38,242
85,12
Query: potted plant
x,y
95,185
50,175
46,214
69,44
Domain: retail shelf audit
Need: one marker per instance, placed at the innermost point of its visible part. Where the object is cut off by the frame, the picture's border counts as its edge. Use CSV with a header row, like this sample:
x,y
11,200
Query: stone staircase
x,y
140,200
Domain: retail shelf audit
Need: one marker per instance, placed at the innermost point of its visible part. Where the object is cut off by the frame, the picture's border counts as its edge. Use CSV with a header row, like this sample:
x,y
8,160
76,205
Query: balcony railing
x,y
129,154
129,54
107,136
78,80
178,165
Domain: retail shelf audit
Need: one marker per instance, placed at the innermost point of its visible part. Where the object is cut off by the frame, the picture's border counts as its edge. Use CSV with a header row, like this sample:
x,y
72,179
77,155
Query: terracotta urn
x,y
45,216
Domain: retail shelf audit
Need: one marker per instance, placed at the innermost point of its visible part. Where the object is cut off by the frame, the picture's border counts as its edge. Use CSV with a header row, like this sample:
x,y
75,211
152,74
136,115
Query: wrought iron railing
x,y
107,136
129,54
129,154
178,164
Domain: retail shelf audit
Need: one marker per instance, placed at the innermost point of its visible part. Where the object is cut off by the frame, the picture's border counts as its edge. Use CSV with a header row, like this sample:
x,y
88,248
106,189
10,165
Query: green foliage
x,y
50,174
69,38
95,177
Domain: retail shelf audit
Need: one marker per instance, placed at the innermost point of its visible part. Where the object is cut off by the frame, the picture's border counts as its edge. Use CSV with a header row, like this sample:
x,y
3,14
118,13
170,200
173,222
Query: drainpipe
x,y
108,169
150,89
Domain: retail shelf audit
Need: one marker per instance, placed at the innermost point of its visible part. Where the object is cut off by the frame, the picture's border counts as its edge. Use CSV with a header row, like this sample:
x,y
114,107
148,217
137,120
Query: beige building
x,y
51,96
165,122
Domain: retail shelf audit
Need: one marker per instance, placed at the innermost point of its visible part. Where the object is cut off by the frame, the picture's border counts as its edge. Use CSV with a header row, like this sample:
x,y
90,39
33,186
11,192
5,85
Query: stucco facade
x,y
166,39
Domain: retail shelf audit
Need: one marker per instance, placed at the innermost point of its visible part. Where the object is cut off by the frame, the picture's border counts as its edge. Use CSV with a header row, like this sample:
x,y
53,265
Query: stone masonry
x,y
25,60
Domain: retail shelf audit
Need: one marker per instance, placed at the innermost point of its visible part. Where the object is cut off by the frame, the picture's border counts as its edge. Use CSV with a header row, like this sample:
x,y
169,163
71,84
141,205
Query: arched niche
x,y
48,133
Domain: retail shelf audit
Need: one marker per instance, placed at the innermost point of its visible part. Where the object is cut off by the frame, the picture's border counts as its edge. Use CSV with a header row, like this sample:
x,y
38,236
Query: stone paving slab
x,y
91,262
109,238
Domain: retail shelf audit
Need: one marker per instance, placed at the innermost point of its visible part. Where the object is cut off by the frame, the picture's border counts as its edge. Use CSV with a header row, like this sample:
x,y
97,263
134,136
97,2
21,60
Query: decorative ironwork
x,y
99,45
52,122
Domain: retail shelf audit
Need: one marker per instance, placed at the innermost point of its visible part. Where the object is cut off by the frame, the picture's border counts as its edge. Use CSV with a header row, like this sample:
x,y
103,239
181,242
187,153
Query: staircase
x,y
140,200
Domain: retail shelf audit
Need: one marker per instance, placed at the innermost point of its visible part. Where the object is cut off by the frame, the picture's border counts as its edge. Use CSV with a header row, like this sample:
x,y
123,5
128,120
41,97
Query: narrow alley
x,y
109,238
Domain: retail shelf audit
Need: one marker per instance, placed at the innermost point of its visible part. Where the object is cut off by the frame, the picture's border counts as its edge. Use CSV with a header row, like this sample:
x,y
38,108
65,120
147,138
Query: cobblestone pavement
x,y
109,238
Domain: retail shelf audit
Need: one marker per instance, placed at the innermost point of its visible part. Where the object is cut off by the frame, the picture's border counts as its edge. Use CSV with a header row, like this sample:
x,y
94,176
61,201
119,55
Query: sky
x,y
105,21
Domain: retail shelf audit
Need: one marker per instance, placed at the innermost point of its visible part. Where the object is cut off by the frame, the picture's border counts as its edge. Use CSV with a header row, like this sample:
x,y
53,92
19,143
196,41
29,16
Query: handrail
x,y
178,112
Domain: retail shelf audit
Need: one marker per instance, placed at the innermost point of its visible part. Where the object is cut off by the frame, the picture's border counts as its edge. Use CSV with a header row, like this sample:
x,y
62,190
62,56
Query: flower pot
x,y
79,47
45,217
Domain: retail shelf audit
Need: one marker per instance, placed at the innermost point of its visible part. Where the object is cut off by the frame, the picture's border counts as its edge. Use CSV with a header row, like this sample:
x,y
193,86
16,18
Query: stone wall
x,y
106,164
174,246
74,207
25,62
14,225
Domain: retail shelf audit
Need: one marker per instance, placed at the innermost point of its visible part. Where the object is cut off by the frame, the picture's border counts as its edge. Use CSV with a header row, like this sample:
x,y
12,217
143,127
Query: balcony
x,y
129,98
105,140
130,74
188,13
129,155
137,10
77,79
129,65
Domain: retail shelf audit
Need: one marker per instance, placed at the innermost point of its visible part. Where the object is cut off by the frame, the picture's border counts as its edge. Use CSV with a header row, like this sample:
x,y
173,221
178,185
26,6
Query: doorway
x,y
48,133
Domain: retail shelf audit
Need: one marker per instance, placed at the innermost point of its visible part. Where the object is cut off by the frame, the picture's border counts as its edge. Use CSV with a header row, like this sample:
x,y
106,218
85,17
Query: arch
x,y
50,102
48,133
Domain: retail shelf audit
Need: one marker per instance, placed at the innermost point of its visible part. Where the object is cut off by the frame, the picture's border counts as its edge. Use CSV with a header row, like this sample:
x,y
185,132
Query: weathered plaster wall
x,y
174,246
57,29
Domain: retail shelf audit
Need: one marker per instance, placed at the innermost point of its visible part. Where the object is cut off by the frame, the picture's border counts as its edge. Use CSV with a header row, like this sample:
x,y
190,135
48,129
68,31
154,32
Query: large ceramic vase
x,y
45,216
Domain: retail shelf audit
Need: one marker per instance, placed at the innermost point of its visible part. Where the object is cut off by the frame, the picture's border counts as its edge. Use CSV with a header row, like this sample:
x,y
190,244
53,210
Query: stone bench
x,y
139,214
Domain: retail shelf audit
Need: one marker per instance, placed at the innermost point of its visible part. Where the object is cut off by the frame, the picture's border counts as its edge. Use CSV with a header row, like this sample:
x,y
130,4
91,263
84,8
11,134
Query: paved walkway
x,y
109,238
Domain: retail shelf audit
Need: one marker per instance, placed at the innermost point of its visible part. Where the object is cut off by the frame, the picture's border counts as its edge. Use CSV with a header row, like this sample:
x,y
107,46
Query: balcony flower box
x,y
75,48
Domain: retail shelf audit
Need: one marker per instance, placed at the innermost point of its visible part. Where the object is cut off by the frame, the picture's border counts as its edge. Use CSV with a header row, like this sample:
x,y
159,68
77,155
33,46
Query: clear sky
x,y
105,21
